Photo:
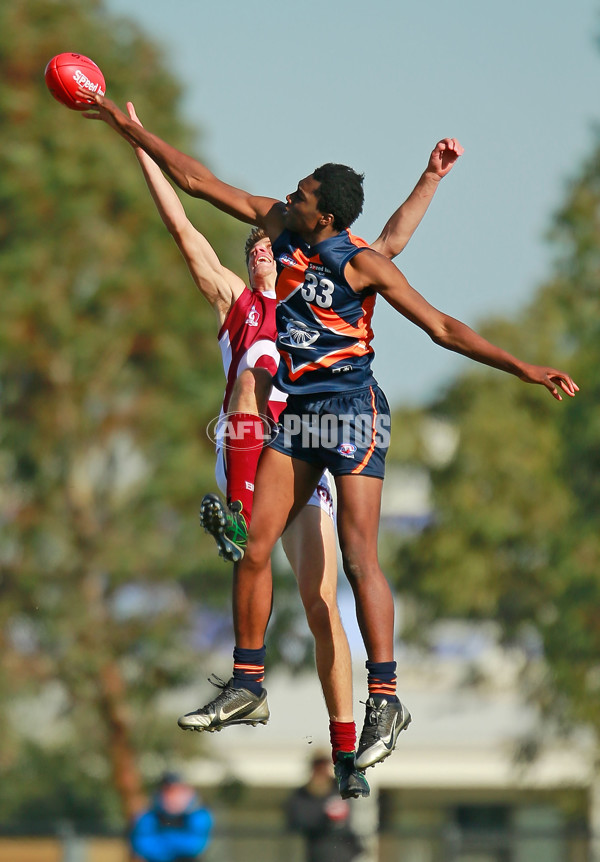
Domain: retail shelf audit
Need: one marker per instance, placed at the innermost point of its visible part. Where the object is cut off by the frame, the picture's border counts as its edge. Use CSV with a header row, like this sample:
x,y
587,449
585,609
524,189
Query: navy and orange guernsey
x,y
324,327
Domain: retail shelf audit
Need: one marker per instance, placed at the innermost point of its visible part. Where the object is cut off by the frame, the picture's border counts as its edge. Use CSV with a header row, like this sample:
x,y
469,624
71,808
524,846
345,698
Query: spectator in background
x,y
317,812
176,827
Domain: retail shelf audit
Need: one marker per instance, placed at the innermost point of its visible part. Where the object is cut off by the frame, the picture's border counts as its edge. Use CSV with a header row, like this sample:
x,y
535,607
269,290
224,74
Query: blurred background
x,y
114,607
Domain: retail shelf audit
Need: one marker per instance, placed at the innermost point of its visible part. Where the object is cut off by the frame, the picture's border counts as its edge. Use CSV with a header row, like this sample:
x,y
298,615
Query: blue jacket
x,y
160,837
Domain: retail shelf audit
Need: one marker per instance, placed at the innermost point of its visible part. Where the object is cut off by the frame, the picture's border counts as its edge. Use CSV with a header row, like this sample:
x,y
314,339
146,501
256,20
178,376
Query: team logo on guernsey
x,y
253,318
287,260
297,334
347,450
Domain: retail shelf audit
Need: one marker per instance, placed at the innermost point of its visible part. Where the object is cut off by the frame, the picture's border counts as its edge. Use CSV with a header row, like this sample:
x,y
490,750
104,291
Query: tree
x,y
109,374
516,535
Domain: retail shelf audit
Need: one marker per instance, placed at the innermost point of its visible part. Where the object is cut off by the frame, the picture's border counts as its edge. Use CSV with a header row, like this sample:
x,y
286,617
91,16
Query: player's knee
x,y
244,391
319,614
251,391
258,553
356,565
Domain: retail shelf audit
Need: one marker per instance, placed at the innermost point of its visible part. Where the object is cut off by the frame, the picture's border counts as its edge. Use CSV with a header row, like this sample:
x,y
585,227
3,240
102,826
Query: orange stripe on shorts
x,y
367,457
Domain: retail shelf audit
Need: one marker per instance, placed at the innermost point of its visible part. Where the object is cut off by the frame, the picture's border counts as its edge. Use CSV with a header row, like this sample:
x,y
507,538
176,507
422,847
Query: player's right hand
x,y
105,109
132,113
133,116
102,109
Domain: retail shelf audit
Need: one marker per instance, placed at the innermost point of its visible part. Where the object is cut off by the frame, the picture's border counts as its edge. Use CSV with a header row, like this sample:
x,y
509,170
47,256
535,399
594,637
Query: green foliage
x,y
47,788
516,535
109,374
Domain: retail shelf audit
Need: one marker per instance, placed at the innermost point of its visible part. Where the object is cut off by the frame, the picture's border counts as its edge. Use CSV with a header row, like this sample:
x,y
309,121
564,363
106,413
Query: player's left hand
x,y
551,378
444,156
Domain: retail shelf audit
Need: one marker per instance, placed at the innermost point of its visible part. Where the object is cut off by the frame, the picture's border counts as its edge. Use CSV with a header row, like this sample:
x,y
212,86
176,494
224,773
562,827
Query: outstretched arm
x,y
219,285
188,173
403,223
369,269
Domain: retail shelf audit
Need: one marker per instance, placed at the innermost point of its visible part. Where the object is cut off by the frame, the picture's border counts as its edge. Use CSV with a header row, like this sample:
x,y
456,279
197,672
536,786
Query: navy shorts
x,y
349,433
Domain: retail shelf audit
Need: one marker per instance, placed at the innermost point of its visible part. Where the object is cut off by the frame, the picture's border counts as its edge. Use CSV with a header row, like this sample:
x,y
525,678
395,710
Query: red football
x,y
65,73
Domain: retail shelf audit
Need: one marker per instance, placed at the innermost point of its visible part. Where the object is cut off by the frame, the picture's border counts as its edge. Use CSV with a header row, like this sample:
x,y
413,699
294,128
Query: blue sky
x,y
277,90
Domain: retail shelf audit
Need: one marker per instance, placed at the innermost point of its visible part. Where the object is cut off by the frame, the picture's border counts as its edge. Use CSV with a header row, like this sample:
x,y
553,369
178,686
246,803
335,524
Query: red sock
x,y
343,736
243,442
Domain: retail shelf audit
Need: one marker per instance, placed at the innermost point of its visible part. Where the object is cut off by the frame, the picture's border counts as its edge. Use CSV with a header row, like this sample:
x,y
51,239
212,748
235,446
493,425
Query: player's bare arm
x,y
188,173
370,269
218,285
403,223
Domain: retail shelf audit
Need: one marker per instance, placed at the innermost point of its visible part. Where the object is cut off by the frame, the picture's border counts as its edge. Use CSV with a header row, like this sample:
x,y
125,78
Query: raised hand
x,y
101,109
444,156
106,110
132,113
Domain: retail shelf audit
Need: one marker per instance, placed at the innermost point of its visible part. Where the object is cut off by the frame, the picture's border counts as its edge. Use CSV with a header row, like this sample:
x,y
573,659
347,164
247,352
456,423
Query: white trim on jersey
x,y
226,353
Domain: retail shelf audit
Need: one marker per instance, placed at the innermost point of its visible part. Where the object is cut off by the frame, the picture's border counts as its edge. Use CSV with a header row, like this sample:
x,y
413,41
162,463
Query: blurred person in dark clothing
x,y
175,828
316,811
